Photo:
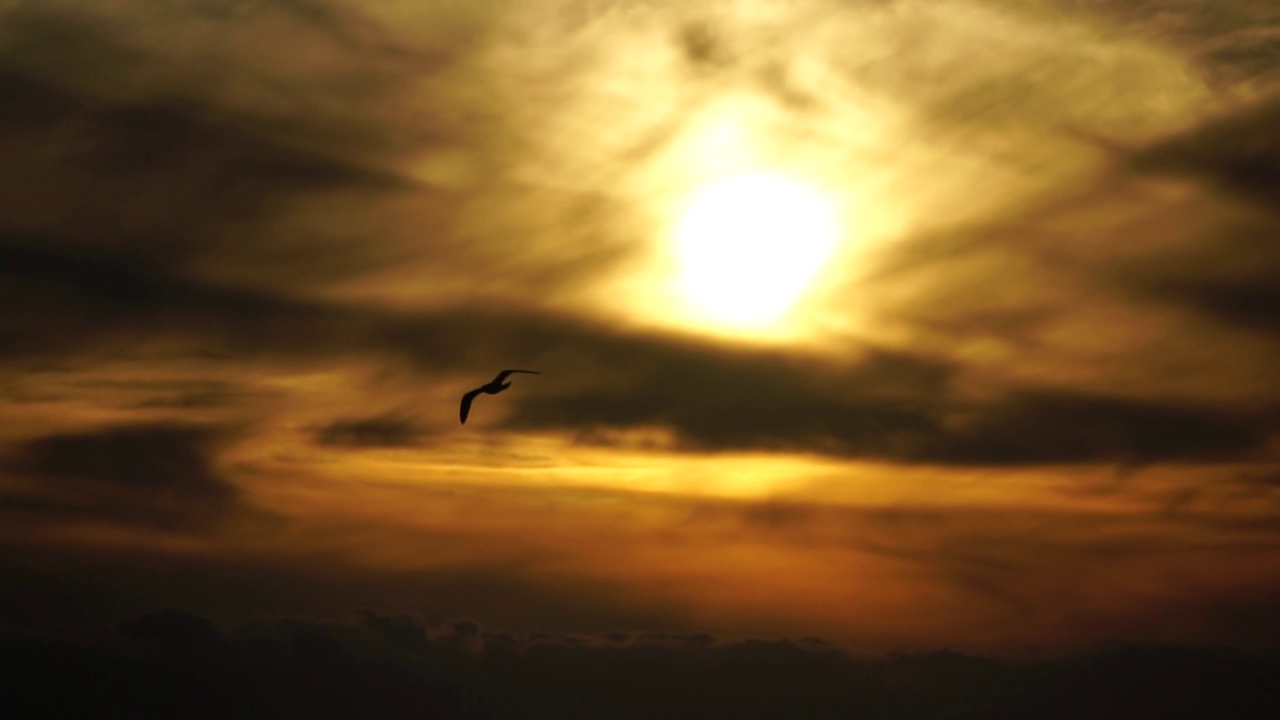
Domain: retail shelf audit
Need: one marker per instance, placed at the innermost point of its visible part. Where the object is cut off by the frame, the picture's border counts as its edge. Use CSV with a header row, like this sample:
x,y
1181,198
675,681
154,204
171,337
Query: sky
x,y
900,326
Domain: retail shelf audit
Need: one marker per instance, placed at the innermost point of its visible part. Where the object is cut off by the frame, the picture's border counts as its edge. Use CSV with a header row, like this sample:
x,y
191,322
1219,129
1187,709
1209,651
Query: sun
x,y
748,247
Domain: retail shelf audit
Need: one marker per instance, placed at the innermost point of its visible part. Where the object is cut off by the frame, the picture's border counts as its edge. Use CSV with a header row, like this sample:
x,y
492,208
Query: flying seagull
x,y
493,387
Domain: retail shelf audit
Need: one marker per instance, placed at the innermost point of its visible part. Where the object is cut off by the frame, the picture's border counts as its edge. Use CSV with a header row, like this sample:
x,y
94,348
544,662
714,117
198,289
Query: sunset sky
x,y
905,325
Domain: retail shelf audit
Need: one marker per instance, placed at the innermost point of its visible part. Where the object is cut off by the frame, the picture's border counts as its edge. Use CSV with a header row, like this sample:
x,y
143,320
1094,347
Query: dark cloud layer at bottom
x,y
173,664
57,590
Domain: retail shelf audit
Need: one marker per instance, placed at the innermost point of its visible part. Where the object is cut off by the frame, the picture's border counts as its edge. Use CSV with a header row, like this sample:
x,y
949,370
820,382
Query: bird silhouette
x,y
493,387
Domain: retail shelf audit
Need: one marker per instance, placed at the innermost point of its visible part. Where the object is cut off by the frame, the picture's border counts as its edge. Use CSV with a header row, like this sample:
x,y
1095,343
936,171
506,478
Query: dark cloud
x,y
57,588
173,631
162,474
402,631
1238,153
166,180
1251,58
886,405
120,52
1231,272
724,399
171,457
1039,426
295,669
389,430
1247,302
739,407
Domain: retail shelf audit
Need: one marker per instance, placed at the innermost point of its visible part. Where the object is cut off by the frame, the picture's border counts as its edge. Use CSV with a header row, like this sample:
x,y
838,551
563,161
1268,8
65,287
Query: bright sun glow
x,y
749,246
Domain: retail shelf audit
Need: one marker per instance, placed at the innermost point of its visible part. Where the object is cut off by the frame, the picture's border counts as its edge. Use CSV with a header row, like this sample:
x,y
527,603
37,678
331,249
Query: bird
x,y
493,387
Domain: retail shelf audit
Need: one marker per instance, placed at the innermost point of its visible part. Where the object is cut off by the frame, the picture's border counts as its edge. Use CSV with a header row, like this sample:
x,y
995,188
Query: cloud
x,y
1230,269
1245,302
165,182
1237,153
173,631
304,561
389,430
289,667
401,631
75,300
894,407
159,474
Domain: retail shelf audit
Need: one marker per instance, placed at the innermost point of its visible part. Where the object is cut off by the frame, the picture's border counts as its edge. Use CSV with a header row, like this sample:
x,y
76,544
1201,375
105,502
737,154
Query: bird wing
x,y
465,409
503,375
